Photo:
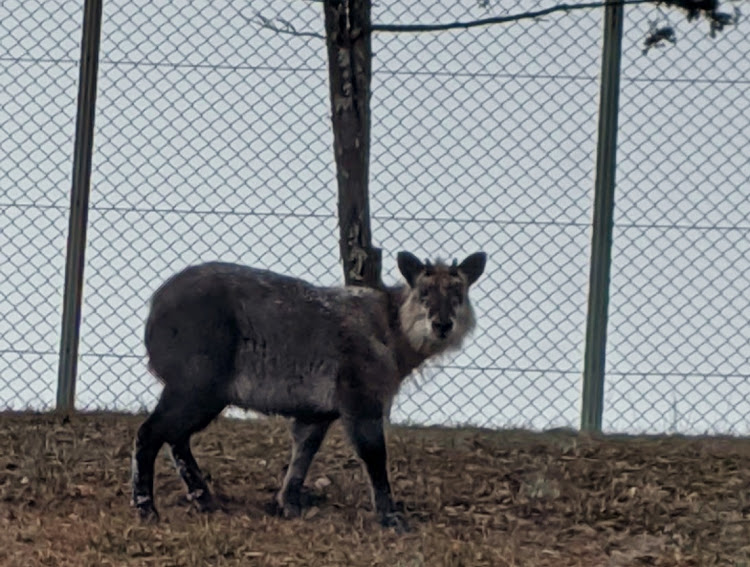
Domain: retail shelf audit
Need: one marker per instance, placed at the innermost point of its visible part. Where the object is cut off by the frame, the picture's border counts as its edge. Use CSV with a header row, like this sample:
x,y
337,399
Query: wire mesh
x,y
680,308
486,139
38,74
213,142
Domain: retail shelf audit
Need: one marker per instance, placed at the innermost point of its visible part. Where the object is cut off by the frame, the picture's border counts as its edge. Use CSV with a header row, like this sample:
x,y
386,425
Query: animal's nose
x,y
442,329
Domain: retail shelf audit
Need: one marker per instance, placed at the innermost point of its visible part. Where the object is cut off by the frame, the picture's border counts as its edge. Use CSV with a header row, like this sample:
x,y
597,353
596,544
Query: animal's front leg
x,y
369,441
306,439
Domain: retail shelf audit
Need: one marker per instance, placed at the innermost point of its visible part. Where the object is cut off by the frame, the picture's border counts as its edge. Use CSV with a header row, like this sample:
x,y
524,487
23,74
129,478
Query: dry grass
x,y
474,498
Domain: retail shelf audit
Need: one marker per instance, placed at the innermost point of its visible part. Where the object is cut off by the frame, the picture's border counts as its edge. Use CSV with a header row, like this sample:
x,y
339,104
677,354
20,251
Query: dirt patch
x,y
474,498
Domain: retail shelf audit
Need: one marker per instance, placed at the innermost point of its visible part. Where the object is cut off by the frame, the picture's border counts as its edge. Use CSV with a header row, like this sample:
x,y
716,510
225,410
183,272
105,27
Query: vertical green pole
x,y
601,240
79,205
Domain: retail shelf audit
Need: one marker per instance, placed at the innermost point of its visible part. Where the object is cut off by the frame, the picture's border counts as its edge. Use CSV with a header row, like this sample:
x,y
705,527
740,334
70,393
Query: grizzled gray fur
x,y
222,334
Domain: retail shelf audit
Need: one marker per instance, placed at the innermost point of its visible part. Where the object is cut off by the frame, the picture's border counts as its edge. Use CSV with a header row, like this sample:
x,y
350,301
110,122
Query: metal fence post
x,y
79,204
601,239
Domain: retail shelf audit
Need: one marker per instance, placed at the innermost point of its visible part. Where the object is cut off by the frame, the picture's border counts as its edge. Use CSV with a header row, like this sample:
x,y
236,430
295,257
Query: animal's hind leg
x,y
307,437
148,441
190,472
177,415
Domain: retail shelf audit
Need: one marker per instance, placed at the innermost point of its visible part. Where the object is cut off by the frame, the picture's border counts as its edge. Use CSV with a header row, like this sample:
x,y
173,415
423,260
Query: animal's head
x,y
436,314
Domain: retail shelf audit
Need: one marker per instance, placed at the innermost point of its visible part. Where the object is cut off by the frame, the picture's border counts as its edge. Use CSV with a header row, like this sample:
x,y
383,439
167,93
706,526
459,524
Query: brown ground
x,y
474,498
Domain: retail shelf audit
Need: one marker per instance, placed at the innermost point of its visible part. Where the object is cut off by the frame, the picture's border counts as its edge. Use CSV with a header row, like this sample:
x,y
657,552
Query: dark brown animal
x,y
221,334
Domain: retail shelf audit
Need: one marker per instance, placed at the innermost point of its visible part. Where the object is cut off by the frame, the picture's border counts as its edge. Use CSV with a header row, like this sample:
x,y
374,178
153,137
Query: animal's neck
x,y
408,357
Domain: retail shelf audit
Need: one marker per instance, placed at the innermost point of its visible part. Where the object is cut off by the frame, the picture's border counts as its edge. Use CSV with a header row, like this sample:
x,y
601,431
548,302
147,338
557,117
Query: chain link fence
x,y
39,60
486,139
678,357
213,141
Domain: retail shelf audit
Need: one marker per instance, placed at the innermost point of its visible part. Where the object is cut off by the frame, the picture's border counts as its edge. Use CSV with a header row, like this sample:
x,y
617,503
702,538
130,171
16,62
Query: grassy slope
x,y
474,498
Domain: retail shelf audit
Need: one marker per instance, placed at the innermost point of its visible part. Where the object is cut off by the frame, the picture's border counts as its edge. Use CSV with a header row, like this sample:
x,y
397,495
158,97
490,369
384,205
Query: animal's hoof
x,y
395,520
286,510
294,502
309,498
147,513
290,511
202,501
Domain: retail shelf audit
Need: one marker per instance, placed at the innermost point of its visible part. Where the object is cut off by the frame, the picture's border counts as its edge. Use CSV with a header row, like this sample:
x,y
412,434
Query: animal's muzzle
x,y
441,328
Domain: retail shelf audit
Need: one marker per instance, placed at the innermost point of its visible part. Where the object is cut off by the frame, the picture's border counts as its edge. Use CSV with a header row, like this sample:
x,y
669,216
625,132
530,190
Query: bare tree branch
x,y
694,9
398,28
282,26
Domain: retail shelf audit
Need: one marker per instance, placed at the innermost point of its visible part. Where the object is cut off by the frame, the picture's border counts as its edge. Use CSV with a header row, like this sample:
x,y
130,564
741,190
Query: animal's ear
x,y
473,266
409,266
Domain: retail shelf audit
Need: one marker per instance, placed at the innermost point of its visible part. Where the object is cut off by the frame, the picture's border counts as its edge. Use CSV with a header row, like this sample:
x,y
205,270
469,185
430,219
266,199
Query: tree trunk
x,y
349,70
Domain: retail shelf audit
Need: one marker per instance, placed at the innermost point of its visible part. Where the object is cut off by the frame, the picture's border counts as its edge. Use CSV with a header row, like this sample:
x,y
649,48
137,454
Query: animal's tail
x,y
148,336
